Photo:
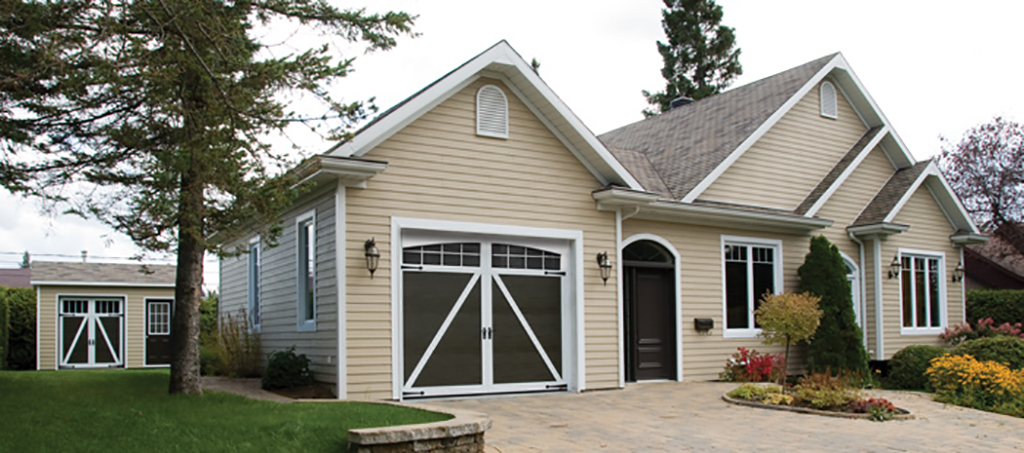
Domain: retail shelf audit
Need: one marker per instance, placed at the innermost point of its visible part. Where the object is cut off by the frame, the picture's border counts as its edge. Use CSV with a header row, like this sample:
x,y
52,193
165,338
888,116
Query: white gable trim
x,y
950,205
500,58
849,171
846,81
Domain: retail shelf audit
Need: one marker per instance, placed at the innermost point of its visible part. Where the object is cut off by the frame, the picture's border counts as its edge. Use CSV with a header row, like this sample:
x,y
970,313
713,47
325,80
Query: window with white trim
x,y
921,293
829,100
159,318
491,112
752,269
305,232
254,283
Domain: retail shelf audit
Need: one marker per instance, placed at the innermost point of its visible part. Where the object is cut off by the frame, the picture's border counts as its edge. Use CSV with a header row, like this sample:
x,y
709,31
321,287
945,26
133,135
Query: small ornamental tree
x,y
788,319
838,346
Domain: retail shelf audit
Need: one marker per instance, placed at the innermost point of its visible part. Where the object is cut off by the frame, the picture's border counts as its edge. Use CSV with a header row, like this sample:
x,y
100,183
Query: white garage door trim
x,y
575,372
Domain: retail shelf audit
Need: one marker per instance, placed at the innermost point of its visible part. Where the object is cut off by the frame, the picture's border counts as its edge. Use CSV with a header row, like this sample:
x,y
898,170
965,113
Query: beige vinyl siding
x,y
440,169
844,207
785,164
929,231
279,290
701,286
135,319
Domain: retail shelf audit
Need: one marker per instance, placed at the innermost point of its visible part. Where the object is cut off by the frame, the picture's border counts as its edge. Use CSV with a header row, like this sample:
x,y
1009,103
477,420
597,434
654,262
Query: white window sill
x,y
910,331
306,326
741,333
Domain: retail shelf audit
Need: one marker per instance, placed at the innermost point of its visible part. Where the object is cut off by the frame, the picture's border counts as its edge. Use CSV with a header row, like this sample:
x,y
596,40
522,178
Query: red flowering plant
x,y
879,408
983,328
748,365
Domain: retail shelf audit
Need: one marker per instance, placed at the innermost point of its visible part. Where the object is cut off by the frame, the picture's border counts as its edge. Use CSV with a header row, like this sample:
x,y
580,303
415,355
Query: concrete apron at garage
x,y
670,416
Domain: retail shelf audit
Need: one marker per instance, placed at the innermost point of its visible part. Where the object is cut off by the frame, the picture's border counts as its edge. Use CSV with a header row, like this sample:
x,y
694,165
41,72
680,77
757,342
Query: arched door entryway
x,y
649,312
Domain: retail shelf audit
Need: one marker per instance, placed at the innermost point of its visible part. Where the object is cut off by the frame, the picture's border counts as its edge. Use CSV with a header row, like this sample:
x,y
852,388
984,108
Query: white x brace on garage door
x,y
485,313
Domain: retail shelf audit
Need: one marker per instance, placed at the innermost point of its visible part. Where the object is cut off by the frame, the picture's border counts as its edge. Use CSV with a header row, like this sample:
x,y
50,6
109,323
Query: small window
x,y
752,269
159,318
829,103
491,112
306,255
921,293
508,256
455,254
254,283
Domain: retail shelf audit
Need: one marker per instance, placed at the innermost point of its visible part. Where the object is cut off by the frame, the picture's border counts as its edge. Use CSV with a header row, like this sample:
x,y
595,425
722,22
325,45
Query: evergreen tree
x,y
701,58
158,110
837,346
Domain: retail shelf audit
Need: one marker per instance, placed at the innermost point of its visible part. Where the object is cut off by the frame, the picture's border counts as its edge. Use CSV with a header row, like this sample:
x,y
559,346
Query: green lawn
x,y
130,410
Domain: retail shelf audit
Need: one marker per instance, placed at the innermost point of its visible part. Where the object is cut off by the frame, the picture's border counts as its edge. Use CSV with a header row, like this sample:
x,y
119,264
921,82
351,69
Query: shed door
x,y
158,331
484,316
91,332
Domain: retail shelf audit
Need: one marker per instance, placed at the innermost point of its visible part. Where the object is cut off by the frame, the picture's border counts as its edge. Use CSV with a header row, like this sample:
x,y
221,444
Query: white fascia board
x,y
763,129
97,284
943,194
499,58
849,171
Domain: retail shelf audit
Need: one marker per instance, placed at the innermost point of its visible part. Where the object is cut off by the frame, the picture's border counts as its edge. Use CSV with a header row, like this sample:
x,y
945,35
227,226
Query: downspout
x,y
862,281
342,290
963,290
879,334
619,218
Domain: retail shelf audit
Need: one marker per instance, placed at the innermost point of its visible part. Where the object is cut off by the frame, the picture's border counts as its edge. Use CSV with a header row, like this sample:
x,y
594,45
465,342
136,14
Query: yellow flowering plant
x,y
985,385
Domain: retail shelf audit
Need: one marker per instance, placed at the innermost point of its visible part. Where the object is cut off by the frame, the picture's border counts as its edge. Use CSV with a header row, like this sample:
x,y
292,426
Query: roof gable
x,y
901,187
502,62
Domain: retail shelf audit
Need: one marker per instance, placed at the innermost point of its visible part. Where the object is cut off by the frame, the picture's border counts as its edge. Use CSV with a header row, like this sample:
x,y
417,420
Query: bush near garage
x,y
1002,305
285,369
907,367
1004,349
19,329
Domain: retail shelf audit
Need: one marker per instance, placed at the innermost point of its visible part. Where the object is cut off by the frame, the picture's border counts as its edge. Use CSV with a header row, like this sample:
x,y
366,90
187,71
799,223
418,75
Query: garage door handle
x,y
554,272
414,268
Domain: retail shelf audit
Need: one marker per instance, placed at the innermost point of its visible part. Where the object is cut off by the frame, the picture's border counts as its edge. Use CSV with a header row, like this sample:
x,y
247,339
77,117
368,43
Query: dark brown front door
x,y
650,322
158,331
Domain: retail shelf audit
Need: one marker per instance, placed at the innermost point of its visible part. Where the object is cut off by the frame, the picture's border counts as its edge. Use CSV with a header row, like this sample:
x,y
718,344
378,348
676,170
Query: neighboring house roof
x,y
996,263
102,274
502,62
687,143
16,278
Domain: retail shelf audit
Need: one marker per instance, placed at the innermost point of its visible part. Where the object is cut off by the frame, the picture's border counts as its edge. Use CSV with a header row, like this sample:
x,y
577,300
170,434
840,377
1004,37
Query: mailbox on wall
x,y
703,324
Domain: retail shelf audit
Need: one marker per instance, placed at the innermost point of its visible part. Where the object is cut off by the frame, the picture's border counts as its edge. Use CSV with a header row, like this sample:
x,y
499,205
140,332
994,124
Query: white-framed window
x,y
922,292
751,267
829,100
159,318
305,241
491,112
254,283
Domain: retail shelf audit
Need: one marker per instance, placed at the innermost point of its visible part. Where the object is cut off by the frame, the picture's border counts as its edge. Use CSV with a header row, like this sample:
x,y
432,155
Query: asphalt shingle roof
x,y
840,167
685,144
45,271
893,190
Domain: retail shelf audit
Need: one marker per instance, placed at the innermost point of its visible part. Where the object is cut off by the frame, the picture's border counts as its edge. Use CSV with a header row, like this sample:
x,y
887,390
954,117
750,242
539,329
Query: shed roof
x,y
46,272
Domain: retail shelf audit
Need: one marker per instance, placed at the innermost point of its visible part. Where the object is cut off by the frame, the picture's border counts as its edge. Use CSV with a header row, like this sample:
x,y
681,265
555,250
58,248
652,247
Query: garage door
x,y
484,315
92,332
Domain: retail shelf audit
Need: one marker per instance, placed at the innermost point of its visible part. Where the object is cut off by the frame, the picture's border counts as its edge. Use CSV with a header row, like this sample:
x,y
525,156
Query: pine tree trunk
x,y
188,290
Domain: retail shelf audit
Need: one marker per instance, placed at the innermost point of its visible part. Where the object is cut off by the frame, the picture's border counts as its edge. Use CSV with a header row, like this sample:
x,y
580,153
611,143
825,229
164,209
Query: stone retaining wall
x,y
464,433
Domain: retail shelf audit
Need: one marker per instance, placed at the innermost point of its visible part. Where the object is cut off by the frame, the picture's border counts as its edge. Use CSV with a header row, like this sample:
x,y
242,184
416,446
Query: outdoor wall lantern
x,y
958,273
895,266
606,266
372,255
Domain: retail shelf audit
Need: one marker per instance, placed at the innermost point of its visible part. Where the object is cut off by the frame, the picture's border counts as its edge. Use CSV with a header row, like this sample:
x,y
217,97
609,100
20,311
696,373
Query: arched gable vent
x,y
491,112
829,104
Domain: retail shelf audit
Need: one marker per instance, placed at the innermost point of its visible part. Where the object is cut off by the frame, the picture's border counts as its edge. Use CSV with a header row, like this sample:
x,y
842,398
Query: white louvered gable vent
x,y
829,104
491,112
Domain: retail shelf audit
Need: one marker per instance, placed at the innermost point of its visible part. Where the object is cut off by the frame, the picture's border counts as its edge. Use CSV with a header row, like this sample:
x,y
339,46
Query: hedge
x,y
1002,305
5,331
18,338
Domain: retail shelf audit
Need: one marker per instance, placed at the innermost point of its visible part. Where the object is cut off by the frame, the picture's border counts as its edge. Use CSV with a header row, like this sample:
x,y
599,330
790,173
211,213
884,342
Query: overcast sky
x,y
935,69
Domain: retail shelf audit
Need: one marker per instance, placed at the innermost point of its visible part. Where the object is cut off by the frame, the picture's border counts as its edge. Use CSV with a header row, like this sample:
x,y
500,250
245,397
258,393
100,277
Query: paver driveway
x,y
669,416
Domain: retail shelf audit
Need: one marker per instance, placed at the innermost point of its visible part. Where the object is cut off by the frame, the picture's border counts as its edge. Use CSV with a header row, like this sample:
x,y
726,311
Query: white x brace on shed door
x,y
91,332
484,314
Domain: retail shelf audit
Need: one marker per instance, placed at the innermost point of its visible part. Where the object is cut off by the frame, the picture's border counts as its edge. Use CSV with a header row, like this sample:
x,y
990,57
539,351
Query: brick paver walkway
x,y
692,417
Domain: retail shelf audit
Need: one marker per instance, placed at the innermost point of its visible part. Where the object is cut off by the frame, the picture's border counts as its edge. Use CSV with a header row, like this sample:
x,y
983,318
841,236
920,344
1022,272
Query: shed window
x,y
491,112
829,104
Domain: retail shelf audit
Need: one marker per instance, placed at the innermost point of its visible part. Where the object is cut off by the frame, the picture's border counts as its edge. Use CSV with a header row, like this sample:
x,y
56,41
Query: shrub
x,y
208,314
209,359
907,367
1006,350
1002,305
5,329
285,370
838,343
788,319
21,343
983,329
880,409
985,385
824,391
236,346
748,365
